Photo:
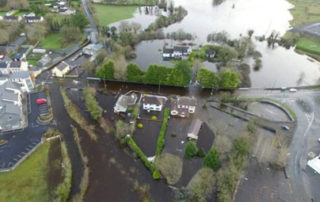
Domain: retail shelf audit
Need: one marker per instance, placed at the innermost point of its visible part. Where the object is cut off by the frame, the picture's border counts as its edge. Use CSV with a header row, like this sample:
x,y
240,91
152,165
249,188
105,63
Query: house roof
x,y
11,17
20,75
3,64
181,48
155,100
62,65
15,64
32,17
194,128
168,50
18,56
210,52
189,101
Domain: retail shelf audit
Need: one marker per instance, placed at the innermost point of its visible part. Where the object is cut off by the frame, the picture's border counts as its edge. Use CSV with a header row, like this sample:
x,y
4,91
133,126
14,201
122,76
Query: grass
x,y
109,14
304,12
32,62
308,45
54,41
28,181
3,13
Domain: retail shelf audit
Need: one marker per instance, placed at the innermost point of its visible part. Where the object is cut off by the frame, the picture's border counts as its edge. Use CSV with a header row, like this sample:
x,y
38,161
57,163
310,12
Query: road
x,y
94,29
303,183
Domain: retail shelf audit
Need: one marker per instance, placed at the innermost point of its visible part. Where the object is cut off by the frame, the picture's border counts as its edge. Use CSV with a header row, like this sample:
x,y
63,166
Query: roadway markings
x,y
310,119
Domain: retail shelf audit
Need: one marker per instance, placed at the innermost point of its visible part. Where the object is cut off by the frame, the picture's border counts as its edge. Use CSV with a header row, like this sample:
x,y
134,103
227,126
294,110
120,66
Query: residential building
x,y
45,60
125,102
153,102
4,68
61,70
210,53
33,19
177,52
167,53
12,18
24,78
17,66
315,164
194,129
92,49
183,106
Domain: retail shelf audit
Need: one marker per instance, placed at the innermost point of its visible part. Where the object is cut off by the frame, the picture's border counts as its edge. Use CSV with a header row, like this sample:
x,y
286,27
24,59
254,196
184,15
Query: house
x,y
16,66
183,106
210,54
92,49
167,53
61,70
24,78
33,19
11,113
194,129
177,52
153,103
45,60
3,52
4,68
19,57
125,102
315,164
39,50
12,18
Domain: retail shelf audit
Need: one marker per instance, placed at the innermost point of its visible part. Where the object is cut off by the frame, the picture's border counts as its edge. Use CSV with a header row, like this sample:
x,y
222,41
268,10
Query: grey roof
x,y
62,65
15,64
31,18
11,17
18,56
3,64
152,100
181,49
20,75
189,101
168,50
9,95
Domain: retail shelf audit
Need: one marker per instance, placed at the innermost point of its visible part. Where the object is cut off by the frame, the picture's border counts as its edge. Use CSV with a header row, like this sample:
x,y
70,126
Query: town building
x,y
4,68
153,103
194,129
24,78
12,18
315,164
18,66
177,52
183,106
125,102
92,49
61,70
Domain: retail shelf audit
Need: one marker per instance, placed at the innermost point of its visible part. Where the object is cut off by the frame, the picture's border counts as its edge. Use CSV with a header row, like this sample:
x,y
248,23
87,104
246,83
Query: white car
x,y
292,90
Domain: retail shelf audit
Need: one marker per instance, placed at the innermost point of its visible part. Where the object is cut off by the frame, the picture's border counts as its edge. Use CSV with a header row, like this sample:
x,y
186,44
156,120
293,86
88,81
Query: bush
x,y
211,160
207,78
154,118
107,71
160,142
92,104
170,167
140,125
190,150
201,153
229,79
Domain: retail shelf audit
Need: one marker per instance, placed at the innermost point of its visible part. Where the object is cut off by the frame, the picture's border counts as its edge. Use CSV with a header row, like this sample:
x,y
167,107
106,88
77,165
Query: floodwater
x,y
281,67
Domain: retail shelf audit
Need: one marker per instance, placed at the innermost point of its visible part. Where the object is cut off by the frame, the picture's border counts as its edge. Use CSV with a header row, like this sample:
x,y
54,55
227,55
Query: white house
x,y
315,164
177,52
61,70
153,103
183,106
124,102
24,78
18,66
33,19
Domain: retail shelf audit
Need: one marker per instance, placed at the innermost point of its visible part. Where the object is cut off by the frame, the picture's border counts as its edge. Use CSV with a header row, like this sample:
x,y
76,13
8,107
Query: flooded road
x,y
281,67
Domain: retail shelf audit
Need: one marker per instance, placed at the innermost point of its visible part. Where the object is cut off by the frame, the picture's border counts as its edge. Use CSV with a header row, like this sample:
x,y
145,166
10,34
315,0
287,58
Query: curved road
x,y
303,183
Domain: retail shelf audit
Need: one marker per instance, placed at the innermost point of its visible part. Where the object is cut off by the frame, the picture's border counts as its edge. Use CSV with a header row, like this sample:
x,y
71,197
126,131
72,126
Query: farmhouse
x,y
177,52
33,19
153,102
61,70
183,106
194,129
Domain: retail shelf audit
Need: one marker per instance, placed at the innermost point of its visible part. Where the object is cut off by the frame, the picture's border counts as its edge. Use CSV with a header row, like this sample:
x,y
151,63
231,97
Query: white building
x,y
24,78
61,70
153,103
183,106
194,129
18,66
315,164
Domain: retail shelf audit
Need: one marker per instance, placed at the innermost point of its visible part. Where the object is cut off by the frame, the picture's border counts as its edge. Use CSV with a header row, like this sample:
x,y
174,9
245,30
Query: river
x,y
281,67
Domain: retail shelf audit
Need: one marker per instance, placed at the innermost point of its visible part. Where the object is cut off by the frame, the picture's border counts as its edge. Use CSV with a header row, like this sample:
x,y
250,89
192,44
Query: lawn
x,y
53,41
109,14
28,181
3,13
308,45
305,12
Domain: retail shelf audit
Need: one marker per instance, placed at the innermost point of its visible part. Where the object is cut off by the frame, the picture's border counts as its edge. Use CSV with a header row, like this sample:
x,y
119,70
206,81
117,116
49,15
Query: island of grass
x,y
308,45
107,14
54,41
40,177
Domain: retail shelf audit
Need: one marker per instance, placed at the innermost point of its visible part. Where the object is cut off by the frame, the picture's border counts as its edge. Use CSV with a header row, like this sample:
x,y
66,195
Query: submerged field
x,y
109,14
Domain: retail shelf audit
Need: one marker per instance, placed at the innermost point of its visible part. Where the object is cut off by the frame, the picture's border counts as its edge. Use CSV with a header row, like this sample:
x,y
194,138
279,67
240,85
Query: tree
x,y
36,32
250,33
190,150
207,78
79,20
17,4
113,30
92,104
211,160
4,36
3,3
157,74
229,79
226,54
107,71
134,74
102,54
70,34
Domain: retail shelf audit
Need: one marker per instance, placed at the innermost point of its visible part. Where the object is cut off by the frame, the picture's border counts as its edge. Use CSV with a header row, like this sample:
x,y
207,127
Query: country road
x,y
94,28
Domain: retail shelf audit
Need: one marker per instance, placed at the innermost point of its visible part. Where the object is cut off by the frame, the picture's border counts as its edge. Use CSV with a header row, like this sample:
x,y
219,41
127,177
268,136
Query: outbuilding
x,y
194,129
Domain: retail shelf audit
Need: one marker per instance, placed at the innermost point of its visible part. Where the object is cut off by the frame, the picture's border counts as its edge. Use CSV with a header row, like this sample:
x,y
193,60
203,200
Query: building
x,y
153,103
45,60
183,106
210,54
315,164
125,102
167,53
18,66
61,70
3,52
33,19
92,49
12,18
194,129
24,78
177,52
11,113
4,68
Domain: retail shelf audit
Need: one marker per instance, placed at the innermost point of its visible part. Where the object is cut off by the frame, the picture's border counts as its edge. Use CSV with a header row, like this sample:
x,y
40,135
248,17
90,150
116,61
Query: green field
x,y
305,12
28,181
308,45
53,41
3,13
108,14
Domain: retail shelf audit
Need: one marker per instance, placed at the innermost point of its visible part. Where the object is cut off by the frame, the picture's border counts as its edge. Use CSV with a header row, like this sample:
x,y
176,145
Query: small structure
x,y
183,106
210,54
45,60
92,49
125,102
194,129
315,164
61,70
153,103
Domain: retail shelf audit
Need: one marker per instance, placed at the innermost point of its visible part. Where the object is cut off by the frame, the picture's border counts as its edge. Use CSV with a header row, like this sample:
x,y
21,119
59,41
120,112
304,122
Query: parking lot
x,y
22,142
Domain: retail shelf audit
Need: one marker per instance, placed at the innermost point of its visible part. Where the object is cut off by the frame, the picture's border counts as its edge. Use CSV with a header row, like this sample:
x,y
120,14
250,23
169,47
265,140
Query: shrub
x,y
170,167
201,153
140,125
92,104
211,160
190,150
160,142
107,71
154,118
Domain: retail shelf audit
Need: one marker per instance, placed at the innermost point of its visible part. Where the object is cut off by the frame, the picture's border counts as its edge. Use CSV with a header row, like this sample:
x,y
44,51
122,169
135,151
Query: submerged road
x,y
302,182
94,28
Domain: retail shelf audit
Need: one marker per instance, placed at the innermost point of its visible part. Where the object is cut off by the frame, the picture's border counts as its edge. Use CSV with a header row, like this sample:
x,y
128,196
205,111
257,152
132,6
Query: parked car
x,y
285,127
283,88
292,90
41,101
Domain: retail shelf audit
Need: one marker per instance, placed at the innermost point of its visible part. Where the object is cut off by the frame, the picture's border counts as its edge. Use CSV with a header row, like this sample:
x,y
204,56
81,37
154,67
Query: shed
x,y
194,129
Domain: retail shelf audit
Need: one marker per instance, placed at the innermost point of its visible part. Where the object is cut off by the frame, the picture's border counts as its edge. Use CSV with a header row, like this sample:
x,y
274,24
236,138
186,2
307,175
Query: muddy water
x,y
281,67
